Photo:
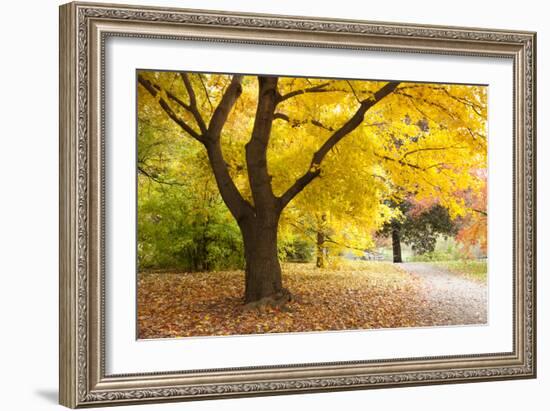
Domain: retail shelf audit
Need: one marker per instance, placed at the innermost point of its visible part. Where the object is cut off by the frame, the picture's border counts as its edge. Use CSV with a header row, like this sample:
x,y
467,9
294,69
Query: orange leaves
x,y
359,295
474,233
474,230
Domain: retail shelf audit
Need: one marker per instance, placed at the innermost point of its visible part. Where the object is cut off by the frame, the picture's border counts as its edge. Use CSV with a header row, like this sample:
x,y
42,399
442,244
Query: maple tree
x,y
323,154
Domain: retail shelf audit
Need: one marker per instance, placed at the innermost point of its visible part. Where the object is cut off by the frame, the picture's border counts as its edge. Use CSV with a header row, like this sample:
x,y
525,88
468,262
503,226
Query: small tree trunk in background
x,y
396,244
321,250
321,237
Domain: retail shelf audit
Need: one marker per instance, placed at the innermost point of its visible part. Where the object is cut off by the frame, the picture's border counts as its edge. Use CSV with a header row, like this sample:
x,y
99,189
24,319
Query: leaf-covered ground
x,y
359,295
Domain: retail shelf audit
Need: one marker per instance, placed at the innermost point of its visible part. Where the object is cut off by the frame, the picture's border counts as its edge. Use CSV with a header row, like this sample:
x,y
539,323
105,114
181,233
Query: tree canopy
x,y
314,155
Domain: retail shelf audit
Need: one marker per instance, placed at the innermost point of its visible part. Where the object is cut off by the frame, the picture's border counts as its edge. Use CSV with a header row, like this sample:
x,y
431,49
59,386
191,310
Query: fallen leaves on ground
x,y
358,295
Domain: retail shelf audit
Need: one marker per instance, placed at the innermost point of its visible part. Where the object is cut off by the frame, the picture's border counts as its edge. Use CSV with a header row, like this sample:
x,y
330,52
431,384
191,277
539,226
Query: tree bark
x,y
396,244
263,281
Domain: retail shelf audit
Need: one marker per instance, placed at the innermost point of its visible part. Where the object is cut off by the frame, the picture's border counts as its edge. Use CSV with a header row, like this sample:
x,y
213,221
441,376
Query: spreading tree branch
x,y
476,108
230,96
429,102
400,161
256,148
353,91
156,179
206,93
354,122
328,239
193,102
297,123
411,165
155,92
455,147
320,88
235,202
482,212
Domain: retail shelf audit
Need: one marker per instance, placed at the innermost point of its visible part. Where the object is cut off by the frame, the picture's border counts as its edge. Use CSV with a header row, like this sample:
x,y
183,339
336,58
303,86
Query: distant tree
x,y
418,227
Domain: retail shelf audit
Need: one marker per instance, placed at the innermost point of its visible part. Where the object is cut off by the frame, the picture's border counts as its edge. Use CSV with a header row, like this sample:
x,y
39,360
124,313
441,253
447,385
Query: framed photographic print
x,y
259,204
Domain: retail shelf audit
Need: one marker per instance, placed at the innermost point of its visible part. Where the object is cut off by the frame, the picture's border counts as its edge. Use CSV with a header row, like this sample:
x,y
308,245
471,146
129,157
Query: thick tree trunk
x,y
263,283
396,243
263,280
321,250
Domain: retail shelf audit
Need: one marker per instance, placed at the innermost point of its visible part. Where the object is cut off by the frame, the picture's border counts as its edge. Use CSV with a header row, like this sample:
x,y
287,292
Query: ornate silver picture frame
x,y
84,30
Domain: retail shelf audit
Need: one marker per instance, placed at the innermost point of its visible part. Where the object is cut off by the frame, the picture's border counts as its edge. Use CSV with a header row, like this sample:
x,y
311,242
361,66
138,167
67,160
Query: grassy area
x,y
473,269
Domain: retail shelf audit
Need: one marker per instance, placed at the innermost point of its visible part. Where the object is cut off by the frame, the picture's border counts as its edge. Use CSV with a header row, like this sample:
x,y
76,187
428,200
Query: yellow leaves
x,y
350,296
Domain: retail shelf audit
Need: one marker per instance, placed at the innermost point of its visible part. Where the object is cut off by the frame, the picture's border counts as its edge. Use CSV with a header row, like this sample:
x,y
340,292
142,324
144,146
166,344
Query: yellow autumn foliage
x,y
421,140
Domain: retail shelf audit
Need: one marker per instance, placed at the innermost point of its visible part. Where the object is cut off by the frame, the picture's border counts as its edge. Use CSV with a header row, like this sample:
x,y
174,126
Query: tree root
x,y
278,300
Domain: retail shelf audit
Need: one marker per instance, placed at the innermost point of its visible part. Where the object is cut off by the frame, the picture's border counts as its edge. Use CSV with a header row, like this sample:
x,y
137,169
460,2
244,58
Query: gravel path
x,y
449,298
